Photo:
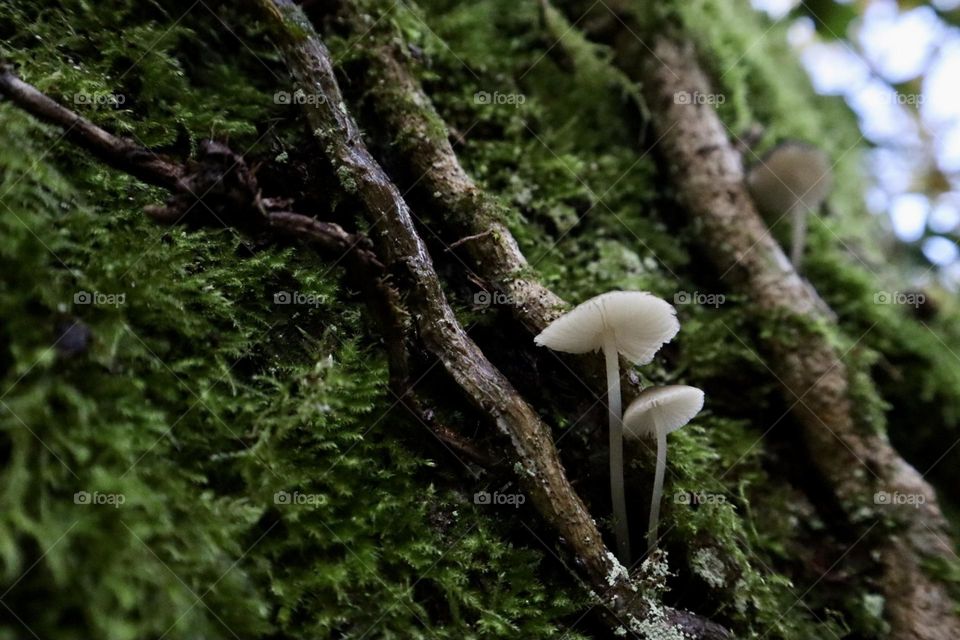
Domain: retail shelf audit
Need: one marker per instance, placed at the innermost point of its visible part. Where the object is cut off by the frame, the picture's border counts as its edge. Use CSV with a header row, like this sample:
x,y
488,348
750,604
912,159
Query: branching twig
x,y
539,467
220,178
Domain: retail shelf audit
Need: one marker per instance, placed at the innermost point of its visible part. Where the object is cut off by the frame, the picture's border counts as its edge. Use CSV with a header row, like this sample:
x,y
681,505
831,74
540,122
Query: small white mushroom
x,y
793,179
632,323
655,413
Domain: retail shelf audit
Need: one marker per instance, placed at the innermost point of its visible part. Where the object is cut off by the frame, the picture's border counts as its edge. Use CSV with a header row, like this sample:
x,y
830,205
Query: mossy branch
x,y
459,208
540,470
217,176
220,188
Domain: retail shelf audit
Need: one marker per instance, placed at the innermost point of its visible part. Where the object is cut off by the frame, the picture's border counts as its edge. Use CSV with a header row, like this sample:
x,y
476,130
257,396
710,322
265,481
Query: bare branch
x,y
117,152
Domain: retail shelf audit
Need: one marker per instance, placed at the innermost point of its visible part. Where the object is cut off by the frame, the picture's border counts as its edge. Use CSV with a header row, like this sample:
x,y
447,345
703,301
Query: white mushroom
x,y
793,179
635,324
655,413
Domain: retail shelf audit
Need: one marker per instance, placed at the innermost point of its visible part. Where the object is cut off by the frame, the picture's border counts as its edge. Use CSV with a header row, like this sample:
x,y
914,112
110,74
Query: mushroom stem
x,y
657,487
798,233
617,497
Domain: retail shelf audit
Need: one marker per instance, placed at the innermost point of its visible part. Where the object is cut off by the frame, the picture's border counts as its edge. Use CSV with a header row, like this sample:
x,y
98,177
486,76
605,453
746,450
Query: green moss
x,y
222,458
254,443
590,216
346,179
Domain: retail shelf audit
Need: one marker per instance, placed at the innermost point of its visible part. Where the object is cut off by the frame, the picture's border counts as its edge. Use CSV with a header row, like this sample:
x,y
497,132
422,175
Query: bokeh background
x,y
897,65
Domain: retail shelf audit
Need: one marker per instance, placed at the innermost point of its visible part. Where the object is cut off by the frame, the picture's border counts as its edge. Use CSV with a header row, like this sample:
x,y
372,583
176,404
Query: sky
x,y
912,132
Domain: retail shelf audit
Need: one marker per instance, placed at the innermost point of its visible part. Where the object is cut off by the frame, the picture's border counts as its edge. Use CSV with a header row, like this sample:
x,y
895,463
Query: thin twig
x,y
117,152
476,236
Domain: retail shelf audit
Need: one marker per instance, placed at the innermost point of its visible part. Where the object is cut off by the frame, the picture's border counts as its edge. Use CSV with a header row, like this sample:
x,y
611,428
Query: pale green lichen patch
x,y
655,626
618,573
654,570
706,564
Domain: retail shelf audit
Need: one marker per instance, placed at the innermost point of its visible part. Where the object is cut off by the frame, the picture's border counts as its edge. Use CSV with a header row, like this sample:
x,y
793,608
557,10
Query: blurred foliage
x,y
844,23
831,19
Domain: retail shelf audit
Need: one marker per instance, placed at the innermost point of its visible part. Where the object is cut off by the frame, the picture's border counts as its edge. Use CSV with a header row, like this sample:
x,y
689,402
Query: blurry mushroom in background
x,y
632,323
655,413
793,179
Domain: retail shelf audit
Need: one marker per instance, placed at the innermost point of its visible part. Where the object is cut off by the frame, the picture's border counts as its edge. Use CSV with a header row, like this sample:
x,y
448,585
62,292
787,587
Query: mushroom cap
x,y
673,406
640,323
793,173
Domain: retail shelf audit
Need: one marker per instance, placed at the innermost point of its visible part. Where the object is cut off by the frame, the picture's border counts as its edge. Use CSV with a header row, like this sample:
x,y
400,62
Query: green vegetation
x,y
197,398
271,486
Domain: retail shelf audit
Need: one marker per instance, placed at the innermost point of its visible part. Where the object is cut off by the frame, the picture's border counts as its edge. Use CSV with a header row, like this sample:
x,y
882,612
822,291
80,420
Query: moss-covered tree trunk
x,y
299,398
